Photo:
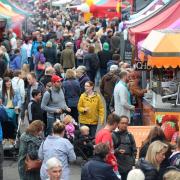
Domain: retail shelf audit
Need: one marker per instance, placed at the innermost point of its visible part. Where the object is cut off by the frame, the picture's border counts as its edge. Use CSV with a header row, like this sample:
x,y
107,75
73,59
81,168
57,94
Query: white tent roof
x,y
60,2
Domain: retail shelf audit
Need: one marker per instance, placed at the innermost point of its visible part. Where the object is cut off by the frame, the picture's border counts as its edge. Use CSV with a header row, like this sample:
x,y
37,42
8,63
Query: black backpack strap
x,y
131,139
50,93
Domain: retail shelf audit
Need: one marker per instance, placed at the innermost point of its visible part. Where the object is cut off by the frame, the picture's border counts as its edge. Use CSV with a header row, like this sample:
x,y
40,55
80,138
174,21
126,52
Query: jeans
x,y
50,121
92,129
1,161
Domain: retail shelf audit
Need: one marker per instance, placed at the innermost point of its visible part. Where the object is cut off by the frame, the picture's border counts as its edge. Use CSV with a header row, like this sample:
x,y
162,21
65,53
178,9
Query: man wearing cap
x,y
67,59
53,102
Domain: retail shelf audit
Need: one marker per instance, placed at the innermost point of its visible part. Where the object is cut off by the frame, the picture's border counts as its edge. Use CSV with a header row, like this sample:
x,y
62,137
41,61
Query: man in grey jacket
x,y
53,102
122,99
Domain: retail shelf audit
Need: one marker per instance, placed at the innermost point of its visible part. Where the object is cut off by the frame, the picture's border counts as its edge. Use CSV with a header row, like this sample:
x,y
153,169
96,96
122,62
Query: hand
x,y
86,109
68,110
132,108
0,101
59,111
121,151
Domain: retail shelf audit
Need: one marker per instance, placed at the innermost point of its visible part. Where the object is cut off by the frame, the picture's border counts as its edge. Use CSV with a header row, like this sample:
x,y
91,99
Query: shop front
x,y
162,53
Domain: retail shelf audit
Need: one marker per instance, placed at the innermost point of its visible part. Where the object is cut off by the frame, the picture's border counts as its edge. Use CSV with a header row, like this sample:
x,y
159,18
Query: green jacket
x,y
67,58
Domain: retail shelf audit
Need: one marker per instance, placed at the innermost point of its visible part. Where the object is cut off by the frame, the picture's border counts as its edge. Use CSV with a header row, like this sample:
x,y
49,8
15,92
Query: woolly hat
x,y
106,46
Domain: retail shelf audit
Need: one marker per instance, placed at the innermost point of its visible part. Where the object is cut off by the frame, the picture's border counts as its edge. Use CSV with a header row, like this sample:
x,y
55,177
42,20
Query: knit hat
x,y
106,46
55,78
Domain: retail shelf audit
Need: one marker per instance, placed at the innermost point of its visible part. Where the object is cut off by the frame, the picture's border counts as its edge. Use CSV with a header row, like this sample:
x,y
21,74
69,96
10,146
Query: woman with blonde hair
x,y
57,146
30,142
72,92
154,157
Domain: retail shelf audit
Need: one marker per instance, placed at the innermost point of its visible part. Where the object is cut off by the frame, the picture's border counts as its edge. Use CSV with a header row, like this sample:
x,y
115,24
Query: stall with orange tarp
x,y
161,51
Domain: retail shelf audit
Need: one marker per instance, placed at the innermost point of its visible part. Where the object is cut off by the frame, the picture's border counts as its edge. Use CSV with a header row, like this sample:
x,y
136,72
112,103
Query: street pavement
x,y
11,170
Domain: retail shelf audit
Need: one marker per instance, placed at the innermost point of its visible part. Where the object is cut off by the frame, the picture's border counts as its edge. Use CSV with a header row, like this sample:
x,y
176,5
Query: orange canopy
x,y
161,49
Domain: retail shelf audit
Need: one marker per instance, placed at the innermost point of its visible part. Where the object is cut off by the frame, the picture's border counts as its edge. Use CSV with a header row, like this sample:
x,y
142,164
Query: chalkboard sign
x,y
178,96
127,52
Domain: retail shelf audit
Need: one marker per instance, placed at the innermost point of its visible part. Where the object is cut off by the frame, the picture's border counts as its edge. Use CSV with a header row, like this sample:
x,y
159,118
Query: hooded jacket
x,y
95,109
148,169
97,169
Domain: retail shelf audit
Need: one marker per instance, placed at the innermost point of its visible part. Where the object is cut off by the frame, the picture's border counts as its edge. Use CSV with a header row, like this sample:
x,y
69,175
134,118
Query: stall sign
x,y
139,65
127,52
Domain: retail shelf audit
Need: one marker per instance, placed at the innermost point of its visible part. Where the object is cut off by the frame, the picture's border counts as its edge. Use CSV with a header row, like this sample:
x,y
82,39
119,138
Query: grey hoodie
x,y
57,102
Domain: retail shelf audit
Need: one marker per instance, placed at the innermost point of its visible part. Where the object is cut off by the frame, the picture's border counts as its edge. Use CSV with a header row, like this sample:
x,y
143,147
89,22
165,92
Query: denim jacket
x,y
17,102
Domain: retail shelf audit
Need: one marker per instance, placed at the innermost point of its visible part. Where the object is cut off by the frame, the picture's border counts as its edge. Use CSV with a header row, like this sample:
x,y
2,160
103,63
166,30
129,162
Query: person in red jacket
x,y
105,136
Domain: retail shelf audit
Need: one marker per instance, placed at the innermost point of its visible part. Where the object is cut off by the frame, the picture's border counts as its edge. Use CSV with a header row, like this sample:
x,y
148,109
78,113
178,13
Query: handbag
x,y
40,66
3,114
32,165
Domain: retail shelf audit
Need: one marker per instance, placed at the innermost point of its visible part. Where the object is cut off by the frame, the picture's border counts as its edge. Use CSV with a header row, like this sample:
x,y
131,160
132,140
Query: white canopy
x,y
60,2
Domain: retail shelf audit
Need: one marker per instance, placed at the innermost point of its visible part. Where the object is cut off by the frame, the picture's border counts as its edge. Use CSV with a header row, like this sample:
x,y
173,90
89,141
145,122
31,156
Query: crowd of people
x,y
66,76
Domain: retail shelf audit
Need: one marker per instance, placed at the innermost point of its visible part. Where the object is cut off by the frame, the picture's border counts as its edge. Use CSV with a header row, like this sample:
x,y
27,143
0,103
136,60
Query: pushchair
x,y
83,147
10,129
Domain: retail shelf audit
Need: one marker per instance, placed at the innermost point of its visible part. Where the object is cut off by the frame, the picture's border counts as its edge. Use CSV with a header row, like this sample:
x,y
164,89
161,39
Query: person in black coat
x,y
97,168
91,62
2,64
104,56
150,165
50,53
34,107
156,133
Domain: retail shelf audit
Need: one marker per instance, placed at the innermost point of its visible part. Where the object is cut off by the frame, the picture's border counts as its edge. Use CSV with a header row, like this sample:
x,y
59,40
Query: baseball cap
x,y
56,78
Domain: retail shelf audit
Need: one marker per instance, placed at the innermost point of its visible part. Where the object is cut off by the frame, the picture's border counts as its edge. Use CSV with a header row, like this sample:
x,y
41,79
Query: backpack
x,y
94,62
3,114
175,160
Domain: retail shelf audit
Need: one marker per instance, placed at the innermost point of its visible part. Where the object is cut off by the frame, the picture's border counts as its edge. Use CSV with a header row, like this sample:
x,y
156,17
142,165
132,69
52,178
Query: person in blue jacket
x,y
15,63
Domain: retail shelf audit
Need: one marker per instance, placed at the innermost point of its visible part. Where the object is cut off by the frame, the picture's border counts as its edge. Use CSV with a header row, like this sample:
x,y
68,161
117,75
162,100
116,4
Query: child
x,y
69,127
84,141
175,157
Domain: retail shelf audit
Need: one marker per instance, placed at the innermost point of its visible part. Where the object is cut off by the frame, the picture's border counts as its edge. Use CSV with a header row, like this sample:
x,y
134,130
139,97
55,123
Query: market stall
x,y
161,53
162,20
16,19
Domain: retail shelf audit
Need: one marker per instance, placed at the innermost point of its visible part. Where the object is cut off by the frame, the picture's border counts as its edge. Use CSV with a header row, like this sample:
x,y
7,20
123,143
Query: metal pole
x,y
50,4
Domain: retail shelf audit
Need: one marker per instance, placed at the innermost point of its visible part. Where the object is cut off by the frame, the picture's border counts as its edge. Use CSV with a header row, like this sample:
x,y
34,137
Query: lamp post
x,y
51,4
